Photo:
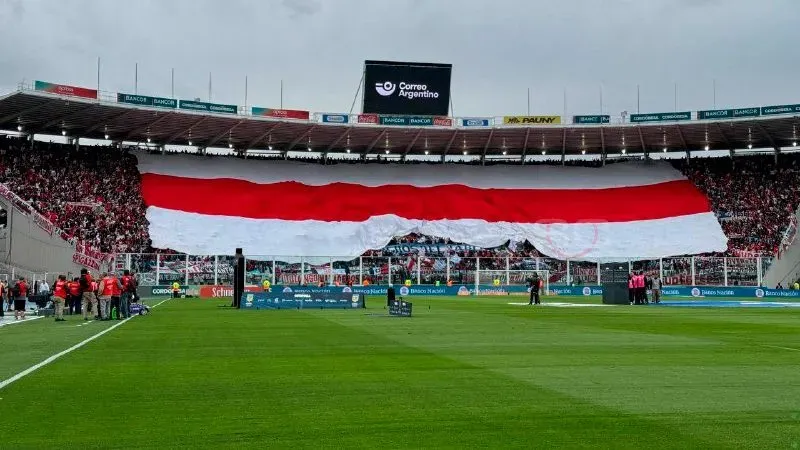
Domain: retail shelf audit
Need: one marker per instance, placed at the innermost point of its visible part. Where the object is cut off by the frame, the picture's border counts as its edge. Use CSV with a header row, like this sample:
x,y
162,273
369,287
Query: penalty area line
x,y
47,361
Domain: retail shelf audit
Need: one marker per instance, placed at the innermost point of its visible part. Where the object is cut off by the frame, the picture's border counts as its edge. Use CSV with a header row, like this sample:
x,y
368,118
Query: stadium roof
x,y
47,113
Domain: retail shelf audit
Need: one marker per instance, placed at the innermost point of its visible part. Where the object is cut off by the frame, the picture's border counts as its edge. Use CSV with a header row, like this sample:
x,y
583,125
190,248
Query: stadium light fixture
x,y
544,152
427,152
794,144
583,152
623,151
63,132
504,152
148,140
190,142
706,147
465,152
387,152
106,136
309,148
348,150
750,146
19,127
665,150
270,147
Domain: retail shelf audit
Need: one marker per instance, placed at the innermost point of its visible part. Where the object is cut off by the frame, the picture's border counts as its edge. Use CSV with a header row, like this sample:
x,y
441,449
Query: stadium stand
x,y
753,197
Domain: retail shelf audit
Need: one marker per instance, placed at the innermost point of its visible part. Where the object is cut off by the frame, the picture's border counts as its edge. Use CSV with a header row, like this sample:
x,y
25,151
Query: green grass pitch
x,y
461,373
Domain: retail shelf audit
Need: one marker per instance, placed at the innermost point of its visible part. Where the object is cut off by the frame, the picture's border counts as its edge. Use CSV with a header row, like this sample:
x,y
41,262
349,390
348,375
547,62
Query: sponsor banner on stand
x,y
780,109
144,100
281,113
409,121
208,107
591,119
532,120
368,118
278,299
222,291
63,89
462,290
442,122
661,117
476,122
728,113
335,118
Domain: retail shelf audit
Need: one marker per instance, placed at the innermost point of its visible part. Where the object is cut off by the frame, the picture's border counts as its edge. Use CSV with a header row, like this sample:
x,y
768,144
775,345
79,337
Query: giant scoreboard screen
x,y
406,88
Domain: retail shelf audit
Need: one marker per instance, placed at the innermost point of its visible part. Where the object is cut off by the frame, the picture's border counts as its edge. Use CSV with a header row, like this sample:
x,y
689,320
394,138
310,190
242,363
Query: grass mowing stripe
x,y
653,372
47,361
464,374
23,347
294,378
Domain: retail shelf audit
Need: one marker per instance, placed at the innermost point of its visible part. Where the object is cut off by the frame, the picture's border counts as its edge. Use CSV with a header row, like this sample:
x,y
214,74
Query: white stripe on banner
x,y
422,175
649,239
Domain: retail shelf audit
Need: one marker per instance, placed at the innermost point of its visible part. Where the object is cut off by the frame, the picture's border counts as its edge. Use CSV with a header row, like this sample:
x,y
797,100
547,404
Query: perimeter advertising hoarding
x,y
532,120
728,113
662,117
406,88
475,122
145,100
281,113
780,109
591,119
208,107
721,292
413,121
64,89
335,118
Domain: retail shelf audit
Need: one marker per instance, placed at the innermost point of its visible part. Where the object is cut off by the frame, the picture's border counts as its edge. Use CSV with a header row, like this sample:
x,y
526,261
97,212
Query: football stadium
x,y
193,272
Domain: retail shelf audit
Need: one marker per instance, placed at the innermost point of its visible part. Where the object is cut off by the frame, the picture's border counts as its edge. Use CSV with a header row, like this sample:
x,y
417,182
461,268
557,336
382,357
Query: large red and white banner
x,y
628,210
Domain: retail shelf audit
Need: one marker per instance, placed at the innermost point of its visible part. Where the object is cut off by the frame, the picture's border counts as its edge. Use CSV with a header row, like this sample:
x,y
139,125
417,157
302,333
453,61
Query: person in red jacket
x,y
60,292
20,294
88,298
74,296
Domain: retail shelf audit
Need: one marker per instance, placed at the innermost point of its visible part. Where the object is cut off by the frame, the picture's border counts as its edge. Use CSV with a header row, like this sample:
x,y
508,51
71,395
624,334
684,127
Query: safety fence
x,y
217,270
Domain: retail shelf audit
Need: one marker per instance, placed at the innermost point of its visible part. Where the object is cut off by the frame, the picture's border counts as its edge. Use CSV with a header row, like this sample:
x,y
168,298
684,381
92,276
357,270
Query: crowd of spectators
x,y
92,194
753,197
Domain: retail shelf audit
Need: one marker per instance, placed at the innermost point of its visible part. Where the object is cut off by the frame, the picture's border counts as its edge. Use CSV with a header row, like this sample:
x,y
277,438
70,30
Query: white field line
x,y
47,361
14,322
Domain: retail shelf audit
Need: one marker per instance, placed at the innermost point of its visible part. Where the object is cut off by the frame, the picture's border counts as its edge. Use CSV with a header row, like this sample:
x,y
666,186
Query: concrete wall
x,y
25,245
786,267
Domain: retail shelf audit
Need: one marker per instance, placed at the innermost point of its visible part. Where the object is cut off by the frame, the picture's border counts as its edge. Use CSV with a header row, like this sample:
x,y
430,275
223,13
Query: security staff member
x,y
106,291
74,296
60,294
88,298
176,290
535,285
266,285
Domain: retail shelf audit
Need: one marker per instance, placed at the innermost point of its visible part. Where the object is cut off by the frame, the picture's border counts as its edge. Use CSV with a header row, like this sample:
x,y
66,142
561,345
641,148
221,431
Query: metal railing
x,y
162,269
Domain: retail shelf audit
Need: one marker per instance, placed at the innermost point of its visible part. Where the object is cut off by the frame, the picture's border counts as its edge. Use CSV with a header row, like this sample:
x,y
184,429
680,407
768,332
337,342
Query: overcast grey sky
x,y
498,48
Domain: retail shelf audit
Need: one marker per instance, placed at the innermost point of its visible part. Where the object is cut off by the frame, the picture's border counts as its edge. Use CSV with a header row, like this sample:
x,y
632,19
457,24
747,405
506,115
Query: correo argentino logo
x,y
386,88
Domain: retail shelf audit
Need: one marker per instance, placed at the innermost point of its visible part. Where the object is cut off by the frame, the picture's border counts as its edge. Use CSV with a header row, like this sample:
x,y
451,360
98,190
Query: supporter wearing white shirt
x,y
44,288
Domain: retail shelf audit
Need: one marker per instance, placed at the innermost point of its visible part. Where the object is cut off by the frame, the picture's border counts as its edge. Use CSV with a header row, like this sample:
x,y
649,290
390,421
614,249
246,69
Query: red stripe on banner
x,y
357,203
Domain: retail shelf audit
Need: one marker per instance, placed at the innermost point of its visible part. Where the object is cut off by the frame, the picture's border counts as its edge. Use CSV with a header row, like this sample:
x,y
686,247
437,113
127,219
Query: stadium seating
x,y
93,194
